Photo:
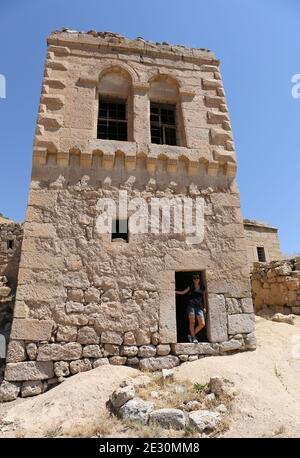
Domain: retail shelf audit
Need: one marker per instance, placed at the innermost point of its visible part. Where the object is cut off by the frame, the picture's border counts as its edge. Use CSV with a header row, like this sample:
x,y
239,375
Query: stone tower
x,y
150,120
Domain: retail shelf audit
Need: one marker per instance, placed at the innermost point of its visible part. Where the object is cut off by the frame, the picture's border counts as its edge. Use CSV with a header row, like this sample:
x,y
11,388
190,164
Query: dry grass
x,y
54,432
279,431
100,427
171,394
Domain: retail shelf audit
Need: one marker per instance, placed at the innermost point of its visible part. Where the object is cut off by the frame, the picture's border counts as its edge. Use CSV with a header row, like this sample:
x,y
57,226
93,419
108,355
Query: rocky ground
x,y
266,381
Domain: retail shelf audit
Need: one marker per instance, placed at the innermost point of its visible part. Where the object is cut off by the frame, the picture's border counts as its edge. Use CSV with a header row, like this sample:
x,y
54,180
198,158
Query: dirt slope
x,y
267,380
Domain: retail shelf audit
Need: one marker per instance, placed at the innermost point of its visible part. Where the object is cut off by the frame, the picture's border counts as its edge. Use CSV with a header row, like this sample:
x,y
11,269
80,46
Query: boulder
x,y
122,395
204,420
169,418
280,318
192,405
136,409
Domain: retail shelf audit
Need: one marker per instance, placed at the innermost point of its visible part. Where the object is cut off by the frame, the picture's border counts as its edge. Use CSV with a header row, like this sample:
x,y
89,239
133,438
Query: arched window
x,y
165,111
115,105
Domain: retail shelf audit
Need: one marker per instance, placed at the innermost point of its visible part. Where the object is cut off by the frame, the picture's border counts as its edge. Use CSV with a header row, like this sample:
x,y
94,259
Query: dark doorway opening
x,y
182,281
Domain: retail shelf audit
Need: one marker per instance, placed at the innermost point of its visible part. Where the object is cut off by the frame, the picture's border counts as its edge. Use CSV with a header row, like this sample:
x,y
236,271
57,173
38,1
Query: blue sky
x,y
258,43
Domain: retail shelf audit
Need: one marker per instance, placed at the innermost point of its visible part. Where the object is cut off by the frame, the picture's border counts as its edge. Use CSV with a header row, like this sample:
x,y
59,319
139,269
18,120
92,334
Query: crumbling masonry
x,y
84,299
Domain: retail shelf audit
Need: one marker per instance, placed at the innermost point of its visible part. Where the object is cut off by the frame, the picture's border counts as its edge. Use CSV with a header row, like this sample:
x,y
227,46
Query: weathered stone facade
x,y
82,298
276,286
261,236
10,248
11,235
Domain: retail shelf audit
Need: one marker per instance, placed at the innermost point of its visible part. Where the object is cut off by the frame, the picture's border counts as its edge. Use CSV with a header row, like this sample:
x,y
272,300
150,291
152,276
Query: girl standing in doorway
x,y
195,307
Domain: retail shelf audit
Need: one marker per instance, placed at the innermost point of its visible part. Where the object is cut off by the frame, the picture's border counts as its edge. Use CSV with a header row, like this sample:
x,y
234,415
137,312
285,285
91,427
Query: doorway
x,y
182,281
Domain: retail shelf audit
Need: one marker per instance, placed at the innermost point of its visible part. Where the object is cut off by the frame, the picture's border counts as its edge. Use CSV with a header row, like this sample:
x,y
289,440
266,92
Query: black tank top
x,y
196,298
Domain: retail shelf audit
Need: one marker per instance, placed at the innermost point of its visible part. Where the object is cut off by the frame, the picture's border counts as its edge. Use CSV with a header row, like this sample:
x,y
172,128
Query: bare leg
x,y
200,324
192,325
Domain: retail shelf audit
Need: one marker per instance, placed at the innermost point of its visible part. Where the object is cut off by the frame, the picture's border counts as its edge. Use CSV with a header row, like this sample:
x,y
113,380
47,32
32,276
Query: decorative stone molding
x,y
193,160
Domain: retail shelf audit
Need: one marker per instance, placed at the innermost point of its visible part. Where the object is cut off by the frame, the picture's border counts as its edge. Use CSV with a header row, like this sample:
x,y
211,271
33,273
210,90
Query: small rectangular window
x,y
120,229
10,244
163,124
261,254
112,120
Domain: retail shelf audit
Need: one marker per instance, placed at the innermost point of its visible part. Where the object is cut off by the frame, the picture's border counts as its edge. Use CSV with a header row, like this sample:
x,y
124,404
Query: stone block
x,y
92,351
66,334
57,352
81,365
31,388
9,391
31,350
31,370
87,335
130,351
111,337
217,318
16,352
30,329
201,348
241,323
231,345
163,349
118,360
61,369
247,305
159,363
100,362
146,351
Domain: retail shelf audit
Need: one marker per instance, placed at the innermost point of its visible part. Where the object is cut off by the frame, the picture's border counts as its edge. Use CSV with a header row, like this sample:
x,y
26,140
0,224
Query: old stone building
x,y
262,242
150,120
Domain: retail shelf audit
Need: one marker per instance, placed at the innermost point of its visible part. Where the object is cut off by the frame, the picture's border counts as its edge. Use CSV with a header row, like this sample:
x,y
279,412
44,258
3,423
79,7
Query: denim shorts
x,y
196,311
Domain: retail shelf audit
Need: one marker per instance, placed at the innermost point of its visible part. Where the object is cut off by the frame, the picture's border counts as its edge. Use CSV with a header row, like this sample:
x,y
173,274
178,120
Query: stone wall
x,y
259,234
6,314
83,299
276,286
11,235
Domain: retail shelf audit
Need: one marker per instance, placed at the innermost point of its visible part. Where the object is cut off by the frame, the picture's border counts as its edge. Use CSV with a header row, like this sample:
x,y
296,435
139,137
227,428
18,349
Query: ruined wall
x,y
6,314
276,285
11,235
10,247
83,300
259,234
